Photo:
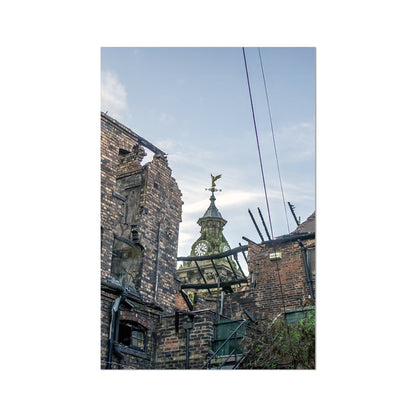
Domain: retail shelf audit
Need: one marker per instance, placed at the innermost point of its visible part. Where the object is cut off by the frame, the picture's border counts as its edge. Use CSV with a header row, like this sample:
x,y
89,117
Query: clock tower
x,y
210,242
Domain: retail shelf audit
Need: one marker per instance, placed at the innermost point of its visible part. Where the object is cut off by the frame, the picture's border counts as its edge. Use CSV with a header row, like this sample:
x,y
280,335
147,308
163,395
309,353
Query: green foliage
x,y
275,344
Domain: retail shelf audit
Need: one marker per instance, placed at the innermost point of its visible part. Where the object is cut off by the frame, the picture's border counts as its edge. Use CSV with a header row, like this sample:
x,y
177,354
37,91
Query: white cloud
x,y
197,200
113,95
189,231
195,206
239,198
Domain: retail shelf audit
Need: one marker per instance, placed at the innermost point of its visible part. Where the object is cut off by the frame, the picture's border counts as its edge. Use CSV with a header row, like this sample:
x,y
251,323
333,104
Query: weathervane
x,y
213,180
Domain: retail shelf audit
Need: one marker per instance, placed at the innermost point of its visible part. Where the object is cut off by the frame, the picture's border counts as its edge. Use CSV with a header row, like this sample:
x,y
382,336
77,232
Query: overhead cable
x,y
258,144
274,141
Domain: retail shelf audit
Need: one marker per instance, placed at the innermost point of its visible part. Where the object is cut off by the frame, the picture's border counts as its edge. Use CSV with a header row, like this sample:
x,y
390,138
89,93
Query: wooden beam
x,y
213,285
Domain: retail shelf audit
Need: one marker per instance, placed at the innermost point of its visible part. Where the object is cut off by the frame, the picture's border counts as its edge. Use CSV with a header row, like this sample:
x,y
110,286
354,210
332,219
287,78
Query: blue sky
x,y
194,104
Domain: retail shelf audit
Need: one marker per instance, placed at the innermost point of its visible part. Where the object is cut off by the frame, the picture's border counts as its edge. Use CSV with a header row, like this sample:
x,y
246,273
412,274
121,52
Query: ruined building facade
x,y
281,283
282,276
140,215
154,316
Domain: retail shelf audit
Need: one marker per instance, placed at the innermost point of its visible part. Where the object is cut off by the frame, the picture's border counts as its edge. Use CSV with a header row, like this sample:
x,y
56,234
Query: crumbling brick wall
x,y
159,230
140,210
112,139
276,285
144,199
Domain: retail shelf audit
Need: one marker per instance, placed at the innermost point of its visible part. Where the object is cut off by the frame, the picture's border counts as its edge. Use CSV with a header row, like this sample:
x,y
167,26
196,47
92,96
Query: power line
x,y
258,144
274,141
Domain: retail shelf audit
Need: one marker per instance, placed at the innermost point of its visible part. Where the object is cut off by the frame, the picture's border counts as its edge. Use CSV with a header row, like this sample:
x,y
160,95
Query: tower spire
x,y
212,210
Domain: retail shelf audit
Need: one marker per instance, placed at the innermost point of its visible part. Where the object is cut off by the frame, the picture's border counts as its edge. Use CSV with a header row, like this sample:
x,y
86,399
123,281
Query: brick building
x,y
140,215
147,319
282,275
280,283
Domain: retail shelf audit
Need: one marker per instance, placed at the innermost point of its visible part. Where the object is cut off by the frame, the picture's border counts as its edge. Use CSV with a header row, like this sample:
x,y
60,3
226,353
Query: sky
x,y
194,104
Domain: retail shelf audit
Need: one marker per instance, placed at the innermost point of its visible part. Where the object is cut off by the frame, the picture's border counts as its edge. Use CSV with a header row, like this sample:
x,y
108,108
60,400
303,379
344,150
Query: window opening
x,y
311,260
126,263
123,152
223,329
132,335
295,315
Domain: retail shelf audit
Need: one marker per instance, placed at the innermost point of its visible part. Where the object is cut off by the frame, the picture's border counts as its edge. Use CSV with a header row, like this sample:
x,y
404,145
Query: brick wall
x,y
171,350
141,205
160,230
141,208
147,317
277,285
111,207
153,203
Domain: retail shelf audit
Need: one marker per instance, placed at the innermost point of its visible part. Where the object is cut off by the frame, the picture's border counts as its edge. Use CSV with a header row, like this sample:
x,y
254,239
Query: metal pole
x,y
264,224
218,294
255,224
239,267
244,254
218,289
292,210
232,268
113,335
157,263
305,263
187,349
235,347
202,275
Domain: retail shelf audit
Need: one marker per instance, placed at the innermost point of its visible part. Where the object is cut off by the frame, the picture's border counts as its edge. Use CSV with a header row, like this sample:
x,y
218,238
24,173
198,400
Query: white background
x,y
50,100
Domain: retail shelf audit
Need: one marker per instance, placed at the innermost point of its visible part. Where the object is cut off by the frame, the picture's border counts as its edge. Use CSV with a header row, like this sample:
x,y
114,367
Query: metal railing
x,y
231,337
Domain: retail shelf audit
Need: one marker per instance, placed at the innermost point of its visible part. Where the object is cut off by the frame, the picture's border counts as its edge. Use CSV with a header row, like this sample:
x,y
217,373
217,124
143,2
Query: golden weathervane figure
x,y
213,180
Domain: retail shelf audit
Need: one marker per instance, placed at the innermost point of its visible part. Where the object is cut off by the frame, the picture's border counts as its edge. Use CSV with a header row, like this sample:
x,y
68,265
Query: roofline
x,y
142,141
289,237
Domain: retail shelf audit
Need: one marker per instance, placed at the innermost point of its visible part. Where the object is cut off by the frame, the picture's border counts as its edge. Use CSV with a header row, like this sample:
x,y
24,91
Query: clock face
x,y
201,248
225,248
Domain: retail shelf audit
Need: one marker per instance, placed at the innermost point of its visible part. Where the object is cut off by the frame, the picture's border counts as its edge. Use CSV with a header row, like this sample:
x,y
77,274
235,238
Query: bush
x,y
275,344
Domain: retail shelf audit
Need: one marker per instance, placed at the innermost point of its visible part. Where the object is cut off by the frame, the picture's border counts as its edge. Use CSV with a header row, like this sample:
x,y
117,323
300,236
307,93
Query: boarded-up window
x,y
293,316
126,263
223,330
311,260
